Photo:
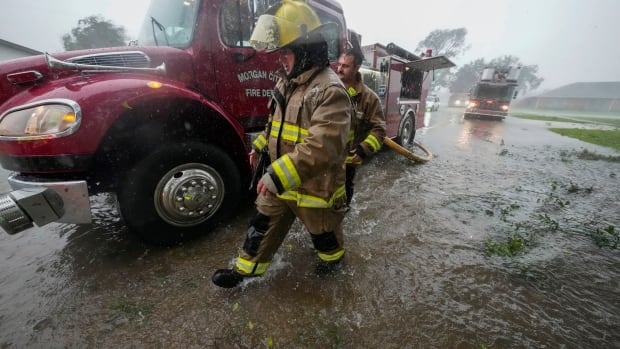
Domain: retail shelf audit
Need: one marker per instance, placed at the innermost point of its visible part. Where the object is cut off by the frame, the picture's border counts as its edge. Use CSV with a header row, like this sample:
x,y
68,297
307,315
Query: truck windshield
x,y
169,23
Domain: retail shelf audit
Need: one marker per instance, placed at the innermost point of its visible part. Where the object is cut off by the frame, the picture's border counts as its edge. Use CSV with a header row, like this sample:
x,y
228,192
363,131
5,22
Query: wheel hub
x,y
189,194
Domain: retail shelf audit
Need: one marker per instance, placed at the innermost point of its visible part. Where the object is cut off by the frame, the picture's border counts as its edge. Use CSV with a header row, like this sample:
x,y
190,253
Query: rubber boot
x,y
227,278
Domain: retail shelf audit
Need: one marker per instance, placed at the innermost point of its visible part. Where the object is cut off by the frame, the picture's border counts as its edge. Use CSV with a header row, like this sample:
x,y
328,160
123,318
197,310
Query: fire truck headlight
x,y
504,107
45,119
472,104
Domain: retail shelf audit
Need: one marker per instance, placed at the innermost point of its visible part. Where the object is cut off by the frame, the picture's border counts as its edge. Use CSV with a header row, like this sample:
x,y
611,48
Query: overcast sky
x,y
569,40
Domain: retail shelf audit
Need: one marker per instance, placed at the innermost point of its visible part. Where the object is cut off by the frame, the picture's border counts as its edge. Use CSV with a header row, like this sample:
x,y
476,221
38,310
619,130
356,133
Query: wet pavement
x,y
417,273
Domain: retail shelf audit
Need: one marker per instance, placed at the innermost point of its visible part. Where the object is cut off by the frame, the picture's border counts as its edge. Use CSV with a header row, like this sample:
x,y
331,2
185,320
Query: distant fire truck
x,y
458,99
401,79
490,97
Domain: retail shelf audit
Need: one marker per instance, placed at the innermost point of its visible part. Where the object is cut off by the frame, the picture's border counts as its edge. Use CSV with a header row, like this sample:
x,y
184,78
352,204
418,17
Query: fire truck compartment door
x,y
431,63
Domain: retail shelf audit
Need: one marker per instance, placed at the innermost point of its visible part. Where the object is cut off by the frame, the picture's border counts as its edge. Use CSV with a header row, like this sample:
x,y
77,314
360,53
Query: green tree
x,y
94,32
447,42
468,74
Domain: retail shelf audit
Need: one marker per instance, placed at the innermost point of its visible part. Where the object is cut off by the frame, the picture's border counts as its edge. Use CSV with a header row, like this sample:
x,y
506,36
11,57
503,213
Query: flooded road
x,y
492,244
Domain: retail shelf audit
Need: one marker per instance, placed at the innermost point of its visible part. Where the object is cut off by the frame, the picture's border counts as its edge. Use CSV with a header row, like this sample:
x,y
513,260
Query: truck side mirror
x,y
515,95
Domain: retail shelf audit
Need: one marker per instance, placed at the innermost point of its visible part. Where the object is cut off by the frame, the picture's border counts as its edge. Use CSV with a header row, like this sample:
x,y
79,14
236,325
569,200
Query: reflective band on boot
x,y
247,267
333,257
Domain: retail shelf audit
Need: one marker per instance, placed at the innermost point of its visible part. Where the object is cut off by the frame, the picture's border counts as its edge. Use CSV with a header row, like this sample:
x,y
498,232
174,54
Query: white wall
x,y
9,50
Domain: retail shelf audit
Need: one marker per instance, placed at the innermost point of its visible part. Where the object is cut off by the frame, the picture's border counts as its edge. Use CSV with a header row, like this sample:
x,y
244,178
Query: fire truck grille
x,y
117,59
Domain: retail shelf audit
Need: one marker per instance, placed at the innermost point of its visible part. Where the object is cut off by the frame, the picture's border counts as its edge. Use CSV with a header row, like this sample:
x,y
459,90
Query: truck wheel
x,y
406,133
179,192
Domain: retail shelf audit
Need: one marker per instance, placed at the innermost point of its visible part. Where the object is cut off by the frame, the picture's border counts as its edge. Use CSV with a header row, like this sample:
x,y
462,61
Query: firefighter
x,y
307,145
368,123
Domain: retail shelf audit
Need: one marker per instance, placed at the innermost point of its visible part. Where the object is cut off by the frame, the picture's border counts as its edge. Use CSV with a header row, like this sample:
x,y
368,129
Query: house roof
x,y
19,47
605,89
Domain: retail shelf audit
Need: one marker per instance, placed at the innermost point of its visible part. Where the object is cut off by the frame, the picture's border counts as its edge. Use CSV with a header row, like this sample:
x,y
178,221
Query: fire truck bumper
x,y
481,113
41,203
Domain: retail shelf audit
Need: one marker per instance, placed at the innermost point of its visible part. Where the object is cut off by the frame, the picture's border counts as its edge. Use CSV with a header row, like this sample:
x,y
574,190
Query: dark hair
x,y
357,55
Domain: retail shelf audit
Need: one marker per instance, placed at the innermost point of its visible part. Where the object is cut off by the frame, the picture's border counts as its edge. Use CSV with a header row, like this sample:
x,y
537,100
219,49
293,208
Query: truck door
x,y
392,95
428,66
245,77
407,87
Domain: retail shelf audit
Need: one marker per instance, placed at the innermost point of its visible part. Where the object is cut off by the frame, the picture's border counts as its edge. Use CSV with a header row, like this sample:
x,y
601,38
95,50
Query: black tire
x,y
179,192
406,131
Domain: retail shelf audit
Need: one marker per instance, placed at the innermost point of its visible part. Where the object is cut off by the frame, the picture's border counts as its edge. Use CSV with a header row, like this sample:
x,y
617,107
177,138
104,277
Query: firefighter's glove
x,y
266,184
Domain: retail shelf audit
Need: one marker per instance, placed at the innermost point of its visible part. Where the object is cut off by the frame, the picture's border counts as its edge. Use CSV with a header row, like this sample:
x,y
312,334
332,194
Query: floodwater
x,y
416,273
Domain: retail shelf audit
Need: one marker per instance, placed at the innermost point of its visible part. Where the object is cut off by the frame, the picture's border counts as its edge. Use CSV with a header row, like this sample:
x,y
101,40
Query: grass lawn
x,y
547,118
605,138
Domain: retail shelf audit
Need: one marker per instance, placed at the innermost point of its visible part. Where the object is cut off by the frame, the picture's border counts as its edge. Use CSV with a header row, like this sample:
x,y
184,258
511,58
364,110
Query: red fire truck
x,y
402,80
490,97
164,124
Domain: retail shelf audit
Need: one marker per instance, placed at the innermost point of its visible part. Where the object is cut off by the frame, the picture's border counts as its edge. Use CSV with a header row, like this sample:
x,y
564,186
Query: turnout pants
x,y
272,222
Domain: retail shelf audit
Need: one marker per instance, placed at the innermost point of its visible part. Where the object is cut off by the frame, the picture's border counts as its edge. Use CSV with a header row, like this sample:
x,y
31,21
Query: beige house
x,y
603,97
10,50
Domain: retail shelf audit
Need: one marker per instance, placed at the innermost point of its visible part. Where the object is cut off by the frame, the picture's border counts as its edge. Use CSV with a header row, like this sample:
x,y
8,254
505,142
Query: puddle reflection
x,y
486,130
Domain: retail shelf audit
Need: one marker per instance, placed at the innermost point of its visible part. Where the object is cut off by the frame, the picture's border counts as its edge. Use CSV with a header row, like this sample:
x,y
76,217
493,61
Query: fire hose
x,y
408,153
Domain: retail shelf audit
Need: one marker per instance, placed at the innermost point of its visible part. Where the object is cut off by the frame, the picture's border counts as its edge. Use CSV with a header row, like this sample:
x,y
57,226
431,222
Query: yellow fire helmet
x,y
292,20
